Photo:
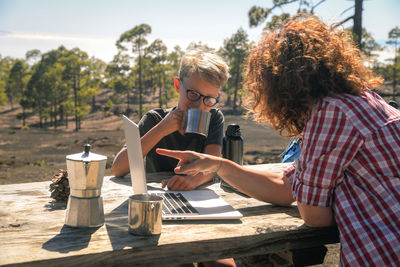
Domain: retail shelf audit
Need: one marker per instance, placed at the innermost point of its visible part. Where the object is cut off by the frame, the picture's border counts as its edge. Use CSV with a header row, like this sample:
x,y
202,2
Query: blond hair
x,y
207,66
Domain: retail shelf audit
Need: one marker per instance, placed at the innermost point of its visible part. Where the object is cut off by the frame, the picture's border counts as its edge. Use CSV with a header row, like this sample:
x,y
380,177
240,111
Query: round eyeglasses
x,y
194,96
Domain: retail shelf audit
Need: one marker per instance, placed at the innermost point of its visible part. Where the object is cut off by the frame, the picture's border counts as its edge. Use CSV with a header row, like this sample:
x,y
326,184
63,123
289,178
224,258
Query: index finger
x,y
181,155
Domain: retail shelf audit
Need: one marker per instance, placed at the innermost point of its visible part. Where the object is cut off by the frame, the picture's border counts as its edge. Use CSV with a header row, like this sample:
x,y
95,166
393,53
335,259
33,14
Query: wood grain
x,y
32,230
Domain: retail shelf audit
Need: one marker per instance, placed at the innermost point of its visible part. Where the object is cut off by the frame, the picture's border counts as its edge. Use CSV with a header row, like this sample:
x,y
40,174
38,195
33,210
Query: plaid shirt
x,y
350,161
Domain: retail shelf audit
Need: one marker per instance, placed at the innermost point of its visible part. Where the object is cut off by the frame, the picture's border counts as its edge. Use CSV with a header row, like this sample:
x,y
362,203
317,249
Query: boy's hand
x,y
177,182
173,121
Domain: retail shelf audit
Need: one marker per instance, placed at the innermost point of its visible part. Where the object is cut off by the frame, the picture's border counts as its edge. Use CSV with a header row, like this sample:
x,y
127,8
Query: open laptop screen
x,y
135,156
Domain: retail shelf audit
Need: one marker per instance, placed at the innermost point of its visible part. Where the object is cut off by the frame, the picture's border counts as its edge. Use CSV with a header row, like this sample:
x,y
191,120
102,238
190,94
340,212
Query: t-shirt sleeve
x,y
148,121
216,128
330,142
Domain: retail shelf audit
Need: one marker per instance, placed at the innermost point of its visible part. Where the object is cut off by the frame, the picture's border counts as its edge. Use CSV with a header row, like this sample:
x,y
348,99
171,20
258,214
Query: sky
x,y
95,25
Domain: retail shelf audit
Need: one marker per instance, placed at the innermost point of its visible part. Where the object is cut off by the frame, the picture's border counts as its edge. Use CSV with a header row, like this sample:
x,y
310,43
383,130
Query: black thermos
x,y
233,144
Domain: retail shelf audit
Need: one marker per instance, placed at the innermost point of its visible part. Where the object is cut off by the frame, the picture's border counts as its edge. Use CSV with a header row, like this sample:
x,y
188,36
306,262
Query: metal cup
x,y
144,214
197,121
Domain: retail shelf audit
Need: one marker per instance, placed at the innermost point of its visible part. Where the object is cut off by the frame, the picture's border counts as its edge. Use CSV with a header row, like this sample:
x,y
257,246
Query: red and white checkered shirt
x,y
350,160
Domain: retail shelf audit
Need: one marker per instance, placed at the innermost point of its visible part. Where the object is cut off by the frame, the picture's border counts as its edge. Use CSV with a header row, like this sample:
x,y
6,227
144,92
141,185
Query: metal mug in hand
x,y
197,121
144,214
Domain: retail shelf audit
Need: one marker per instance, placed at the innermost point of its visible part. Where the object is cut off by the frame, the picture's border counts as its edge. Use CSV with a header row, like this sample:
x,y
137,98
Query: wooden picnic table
x,y
32,230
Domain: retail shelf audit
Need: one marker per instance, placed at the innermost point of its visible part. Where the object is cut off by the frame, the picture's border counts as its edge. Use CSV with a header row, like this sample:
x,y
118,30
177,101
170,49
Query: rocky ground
x,y
36,154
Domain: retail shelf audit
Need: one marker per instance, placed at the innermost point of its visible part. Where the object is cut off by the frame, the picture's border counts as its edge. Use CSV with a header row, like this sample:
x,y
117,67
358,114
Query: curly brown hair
x,y
292,68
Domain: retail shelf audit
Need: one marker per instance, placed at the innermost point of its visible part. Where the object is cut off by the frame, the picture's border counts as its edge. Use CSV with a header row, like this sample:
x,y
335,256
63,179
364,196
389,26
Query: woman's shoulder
x,y
367,112
348,102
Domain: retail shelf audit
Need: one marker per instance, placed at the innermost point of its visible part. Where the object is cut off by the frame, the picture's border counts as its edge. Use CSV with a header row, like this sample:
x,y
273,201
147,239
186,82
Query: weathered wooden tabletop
x,y
32,230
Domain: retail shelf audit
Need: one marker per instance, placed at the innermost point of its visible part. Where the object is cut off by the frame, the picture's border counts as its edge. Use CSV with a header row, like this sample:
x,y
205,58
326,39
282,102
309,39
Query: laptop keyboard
x,y
176,203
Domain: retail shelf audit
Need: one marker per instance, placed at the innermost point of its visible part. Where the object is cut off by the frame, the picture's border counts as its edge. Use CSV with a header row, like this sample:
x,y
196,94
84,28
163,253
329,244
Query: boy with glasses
x,y
201,77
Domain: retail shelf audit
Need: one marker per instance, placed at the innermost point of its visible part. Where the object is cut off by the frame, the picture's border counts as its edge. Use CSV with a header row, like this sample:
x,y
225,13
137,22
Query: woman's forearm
x,y
262,185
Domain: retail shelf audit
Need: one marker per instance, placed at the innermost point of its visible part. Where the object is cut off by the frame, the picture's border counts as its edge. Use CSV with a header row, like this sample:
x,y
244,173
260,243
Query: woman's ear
x,y
176,84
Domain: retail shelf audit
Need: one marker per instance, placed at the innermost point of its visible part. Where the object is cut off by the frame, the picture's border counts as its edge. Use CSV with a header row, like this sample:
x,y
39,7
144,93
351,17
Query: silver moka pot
x,y
85,175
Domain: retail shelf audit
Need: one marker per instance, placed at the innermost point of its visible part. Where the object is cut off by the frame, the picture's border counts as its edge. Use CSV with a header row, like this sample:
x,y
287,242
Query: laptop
x,y
202,204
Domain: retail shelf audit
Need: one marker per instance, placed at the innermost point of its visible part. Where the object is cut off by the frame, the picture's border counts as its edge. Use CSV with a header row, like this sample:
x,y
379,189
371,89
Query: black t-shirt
x,y
176,141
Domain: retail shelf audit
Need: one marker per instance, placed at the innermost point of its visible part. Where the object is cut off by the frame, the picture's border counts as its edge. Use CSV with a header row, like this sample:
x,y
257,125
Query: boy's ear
x,y
176,84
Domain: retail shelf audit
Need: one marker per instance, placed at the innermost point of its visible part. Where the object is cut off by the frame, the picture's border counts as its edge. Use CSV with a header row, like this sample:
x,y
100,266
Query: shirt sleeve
x,y
289,172
148,121
216,129
330,142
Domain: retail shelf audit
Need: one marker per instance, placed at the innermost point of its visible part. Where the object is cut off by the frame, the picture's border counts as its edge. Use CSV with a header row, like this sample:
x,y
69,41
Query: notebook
x,y
177,205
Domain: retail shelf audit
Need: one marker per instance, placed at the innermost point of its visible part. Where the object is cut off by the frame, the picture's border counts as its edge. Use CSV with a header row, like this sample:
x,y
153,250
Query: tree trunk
x,y
76,105
166,90
23,116
61,111
140,80
55,115
228,100
395,71
160,92
127,102
93,103
51,114
357,22
236,84
10,100
40,116
151,84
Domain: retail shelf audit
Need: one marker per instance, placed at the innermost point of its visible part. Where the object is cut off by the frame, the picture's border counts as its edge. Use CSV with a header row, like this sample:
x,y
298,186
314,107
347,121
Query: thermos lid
x,y
233,130
86,156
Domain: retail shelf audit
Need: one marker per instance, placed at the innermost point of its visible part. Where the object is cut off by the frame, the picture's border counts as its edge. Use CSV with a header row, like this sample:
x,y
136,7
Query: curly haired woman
x,y
307,79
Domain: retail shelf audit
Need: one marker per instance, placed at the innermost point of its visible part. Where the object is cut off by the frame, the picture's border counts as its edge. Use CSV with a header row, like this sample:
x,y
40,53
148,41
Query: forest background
x,y
60,89
60,86
64,90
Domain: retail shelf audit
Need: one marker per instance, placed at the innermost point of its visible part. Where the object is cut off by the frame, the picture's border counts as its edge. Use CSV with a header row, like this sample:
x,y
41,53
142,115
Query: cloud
x,y
54,36
4,32
16,44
